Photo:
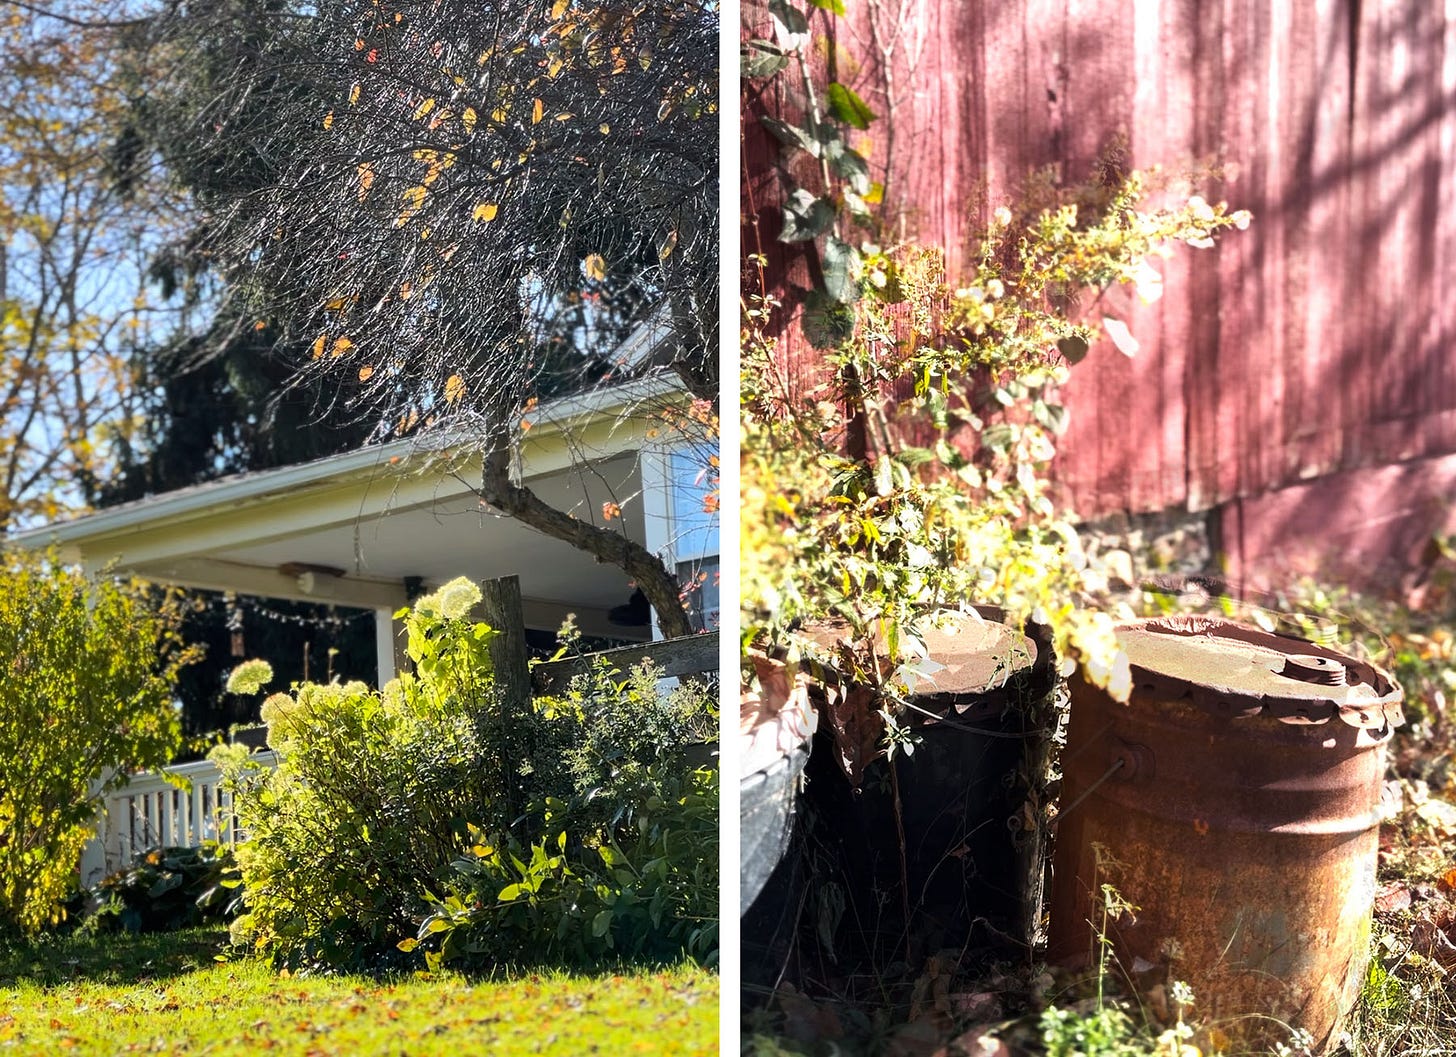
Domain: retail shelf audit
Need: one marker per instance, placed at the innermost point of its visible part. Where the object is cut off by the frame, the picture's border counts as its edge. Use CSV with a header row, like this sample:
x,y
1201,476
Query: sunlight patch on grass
x,y
111,1005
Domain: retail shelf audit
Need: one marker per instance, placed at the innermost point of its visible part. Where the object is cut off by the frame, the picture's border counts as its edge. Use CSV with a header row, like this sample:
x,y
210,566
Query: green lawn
x,y
166,994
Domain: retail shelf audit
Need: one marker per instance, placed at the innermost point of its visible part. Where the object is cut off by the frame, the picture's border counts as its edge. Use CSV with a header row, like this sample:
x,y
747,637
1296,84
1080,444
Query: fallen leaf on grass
x,y
1431,936
1392,898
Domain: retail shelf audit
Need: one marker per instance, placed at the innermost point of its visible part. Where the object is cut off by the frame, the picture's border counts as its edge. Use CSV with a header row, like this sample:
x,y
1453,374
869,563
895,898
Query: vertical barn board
x,y
1317,341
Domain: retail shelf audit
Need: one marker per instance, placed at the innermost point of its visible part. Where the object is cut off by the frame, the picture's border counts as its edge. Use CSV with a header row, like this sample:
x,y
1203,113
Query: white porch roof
x,y
392,511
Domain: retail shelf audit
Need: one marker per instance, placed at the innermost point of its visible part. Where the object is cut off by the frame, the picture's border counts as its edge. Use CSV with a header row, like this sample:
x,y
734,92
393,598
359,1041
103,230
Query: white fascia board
x,y
548,447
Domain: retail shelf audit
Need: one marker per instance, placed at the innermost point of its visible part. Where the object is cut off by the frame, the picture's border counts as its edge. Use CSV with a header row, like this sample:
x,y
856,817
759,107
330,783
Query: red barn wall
x,y
1314,347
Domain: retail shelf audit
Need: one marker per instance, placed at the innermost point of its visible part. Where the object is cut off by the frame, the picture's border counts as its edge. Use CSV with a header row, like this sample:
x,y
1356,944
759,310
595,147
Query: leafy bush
x,y
369,800
167,889
86,674
382,797
644,887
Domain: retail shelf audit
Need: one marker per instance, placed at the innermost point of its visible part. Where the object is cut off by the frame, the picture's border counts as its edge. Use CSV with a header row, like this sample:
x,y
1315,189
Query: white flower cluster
x,y
250,677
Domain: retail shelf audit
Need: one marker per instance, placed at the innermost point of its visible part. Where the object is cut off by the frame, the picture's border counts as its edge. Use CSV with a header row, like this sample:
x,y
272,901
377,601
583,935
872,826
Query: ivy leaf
x,y
1073,347
791,135
849,107
761,58
805,217
791,27
848,163
841,270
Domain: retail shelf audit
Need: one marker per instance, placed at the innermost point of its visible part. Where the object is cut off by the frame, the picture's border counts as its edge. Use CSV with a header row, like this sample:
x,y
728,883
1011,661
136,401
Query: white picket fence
x,y
149,812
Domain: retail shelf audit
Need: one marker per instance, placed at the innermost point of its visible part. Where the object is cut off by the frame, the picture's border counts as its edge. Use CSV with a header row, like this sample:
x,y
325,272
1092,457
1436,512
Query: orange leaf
x,y
318,345
610,510
365,373
538,109
329,120
596,267
341,345
485,212
454,389
354,94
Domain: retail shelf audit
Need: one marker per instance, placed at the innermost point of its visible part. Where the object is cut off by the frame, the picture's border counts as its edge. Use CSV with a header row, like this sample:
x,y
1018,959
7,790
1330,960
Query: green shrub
x,y
369,801
86,675
646,887
384,797
167,889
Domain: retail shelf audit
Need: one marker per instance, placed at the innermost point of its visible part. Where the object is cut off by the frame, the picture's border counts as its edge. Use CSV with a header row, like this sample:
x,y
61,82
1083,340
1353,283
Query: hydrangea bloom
x,y
250,677
458,598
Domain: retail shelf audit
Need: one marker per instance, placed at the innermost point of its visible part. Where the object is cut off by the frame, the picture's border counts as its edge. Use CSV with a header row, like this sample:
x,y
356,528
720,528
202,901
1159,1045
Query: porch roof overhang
x,y
381,514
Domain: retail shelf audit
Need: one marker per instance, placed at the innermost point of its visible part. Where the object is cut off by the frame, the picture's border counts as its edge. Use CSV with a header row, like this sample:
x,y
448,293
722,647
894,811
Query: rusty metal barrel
x,y
1234,800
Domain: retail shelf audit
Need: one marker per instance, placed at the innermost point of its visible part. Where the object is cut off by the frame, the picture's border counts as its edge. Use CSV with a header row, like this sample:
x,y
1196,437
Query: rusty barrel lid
x,y
1234,670
973,655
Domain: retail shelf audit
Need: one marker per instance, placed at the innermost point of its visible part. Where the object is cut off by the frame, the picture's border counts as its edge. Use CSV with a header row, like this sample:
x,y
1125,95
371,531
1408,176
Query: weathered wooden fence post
x,y
501,604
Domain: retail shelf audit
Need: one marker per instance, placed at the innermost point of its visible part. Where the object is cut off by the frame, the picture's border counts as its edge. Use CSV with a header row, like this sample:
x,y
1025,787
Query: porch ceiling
x,y
380,515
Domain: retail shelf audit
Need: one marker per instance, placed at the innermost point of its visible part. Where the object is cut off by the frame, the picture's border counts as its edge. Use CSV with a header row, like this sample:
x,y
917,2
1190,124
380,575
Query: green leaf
x,y
848,106
791,135
408,945
805,217
1073,348
601,923
835,7
848,163
437,925
841,263
510,893
761,58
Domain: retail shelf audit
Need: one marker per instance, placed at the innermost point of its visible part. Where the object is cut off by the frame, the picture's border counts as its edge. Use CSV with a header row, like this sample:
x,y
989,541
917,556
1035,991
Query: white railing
x,y
149,812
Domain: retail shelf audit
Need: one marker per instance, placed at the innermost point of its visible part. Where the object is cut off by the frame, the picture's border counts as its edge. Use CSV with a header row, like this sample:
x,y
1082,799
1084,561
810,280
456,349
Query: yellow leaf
x,y
354,94
537,109
669,243
499,115
468,117
596,267
366,180
341,345
604,128
564,116
365,373
318,345
559,8
335,303
424,108
454,389
329,119
554,67
485,212
424,234
413,198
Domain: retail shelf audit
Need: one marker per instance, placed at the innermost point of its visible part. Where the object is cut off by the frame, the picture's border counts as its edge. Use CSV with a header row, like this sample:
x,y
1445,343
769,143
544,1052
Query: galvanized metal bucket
x,y
1234,800
776,724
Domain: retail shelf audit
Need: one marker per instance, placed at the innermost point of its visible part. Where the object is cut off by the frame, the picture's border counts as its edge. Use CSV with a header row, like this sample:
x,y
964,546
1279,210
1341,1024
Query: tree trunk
x,y
647,569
